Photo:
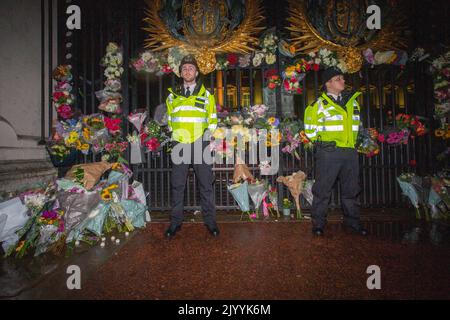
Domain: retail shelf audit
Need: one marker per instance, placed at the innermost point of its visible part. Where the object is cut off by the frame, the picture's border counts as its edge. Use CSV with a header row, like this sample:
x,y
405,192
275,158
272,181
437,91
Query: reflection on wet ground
x,y
44,277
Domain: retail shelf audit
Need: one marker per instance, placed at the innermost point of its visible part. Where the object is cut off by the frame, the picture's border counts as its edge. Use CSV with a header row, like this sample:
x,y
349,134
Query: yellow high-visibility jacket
x,y
189,117
327,121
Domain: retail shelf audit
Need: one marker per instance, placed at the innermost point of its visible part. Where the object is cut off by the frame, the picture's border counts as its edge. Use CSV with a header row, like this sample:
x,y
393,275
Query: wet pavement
x,y
272,259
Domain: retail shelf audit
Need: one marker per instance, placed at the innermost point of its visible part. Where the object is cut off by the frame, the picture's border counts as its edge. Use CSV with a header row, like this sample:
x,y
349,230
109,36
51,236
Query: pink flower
x,y
152,144
381,138
253,216
138,64
113,125
65,111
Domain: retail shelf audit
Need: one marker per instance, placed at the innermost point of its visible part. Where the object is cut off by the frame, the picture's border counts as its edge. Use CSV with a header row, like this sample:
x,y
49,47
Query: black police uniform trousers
x,y
205,177
331,164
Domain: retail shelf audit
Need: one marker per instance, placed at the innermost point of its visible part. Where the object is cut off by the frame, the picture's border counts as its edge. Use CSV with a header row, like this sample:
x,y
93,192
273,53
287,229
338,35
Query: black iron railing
x,y
383,87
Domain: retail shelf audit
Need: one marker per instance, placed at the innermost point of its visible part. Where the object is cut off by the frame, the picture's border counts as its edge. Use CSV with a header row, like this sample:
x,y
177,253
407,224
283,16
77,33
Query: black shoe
x,y
358,231
214,231
317,232
172,230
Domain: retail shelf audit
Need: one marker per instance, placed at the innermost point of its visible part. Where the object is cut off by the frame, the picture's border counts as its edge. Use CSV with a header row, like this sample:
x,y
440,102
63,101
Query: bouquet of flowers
x,y
269,44
114,151
273,198
257,192
110,97
440,69
295,183
411,123
239,192
291,80
393,136
150,62
153,137
272,78
293,136
40,224
366,143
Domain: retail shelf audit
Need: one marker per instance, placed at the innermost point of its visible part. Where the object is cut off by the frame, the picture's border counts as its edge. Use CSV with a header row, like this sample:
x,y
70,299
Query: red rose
x,y
299,90
58,95
271,85
307,67
412,163
232,58
316,67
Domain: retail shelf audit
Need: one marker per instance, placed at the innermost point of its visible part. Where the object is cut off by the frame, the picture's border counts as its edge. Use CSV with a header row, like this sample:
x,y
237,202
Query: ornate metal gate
x,y
384,88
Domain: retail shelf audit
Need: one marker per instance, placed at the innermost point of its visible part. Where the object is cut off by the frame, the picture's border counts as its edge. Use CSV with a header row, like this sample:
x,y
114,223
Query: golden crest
x,y
205,28
344,22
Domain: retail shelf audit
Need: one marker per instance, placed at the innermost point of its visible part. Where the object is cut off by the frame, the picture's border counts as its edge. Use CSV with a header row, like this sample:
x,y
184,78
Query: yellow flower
x,y
292,49
113,186
116,166
219,133
20,246
269,139
290,71
78,145
87,134
106,195
439,133
271,120
84,146
73,137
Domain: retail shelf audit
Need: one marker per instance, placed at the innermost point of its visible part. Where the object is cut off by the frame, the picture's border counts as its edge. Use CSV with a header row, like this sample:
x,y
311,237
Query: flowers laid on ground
x,y
295,184
430,193
287,204
64,212
411,185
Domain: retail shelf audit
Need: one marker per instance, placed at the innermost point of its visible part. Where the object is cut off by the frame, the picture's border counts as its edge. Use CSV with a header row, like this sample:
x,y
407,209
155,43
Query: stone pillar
x,y
22,160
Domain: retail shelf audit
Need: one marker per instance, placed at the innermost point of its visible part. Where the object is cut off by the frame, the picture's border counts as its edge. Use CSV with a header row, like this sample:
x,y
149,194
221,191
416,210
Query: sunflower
x,y
116,166
439,133
106,195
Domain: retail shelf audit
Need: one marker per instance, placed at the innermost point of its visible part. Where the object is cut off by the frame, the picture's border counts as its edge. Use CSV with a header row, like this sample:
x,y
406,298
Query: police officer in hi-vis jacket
x,y
191,111
332,123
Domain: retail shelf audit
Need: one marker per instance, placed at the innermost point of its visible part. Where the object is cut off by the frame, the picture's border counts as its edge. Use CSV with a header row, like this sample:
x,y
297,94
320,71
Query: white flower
x,y
317,60
146,56
271,58
257,59
312,54
341,65
105,157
